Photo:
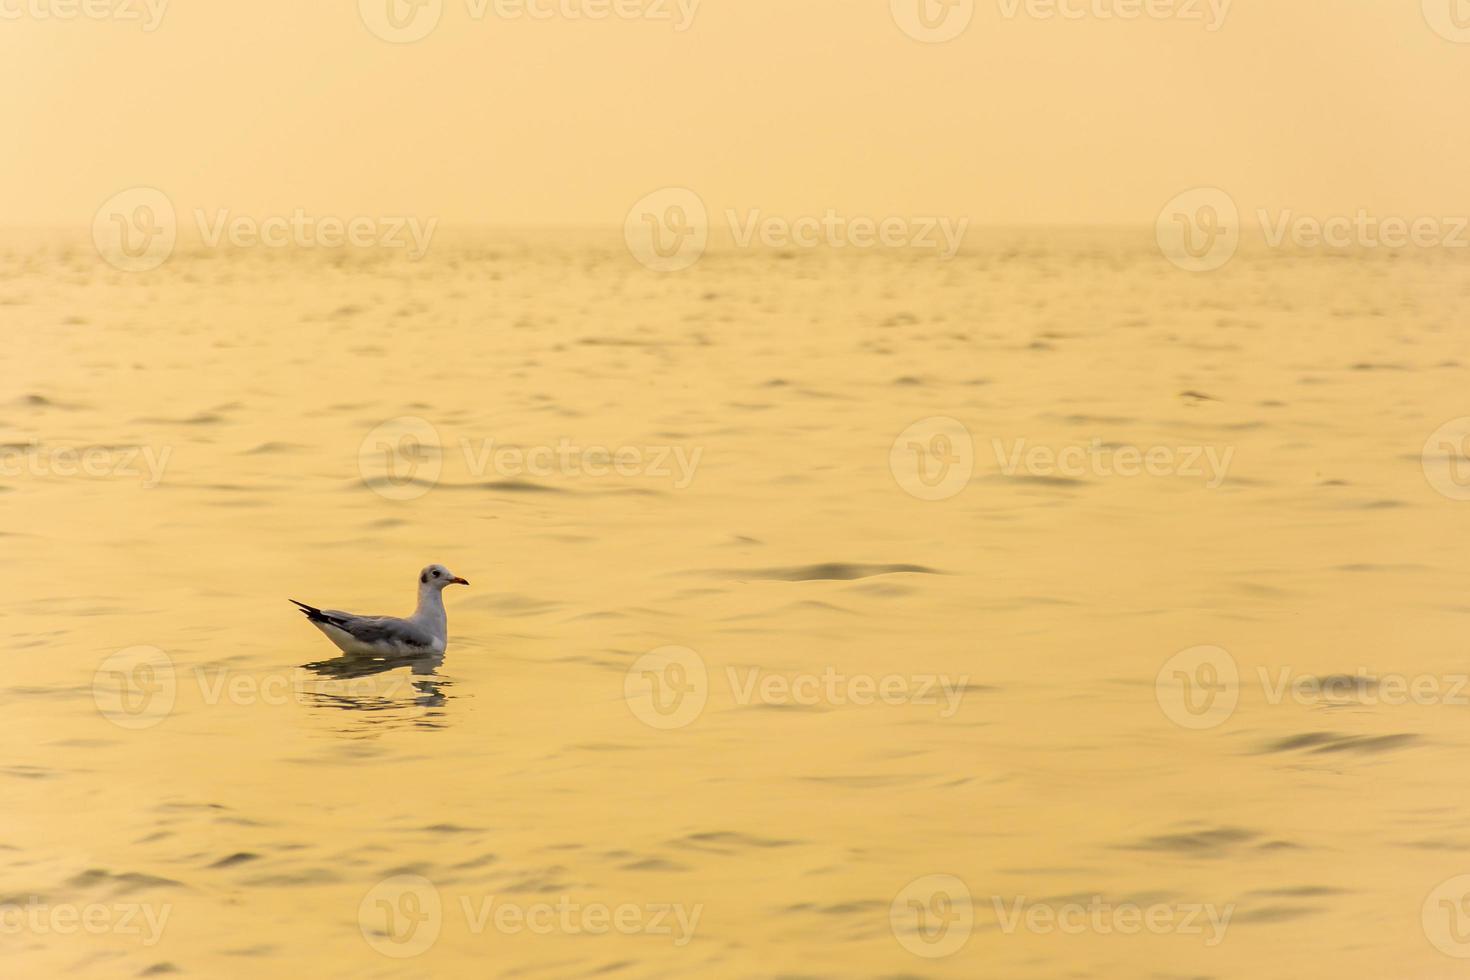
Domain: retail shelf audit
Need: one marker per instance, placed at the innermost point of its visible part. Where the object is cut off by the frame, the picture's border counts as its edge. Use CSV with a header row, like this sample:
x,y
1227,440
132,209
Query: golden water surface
x,y
872,722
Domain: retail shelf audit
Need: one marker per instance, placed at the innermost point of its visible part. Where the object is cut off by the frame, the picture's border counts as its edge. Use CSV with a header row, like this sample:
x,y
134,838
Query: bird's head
x,y
436,577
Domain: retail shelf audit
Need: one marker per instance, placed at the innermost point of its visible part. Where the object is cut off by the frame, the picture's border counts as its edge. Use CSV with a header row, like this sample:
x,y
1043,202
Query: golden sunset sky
x,y
792,107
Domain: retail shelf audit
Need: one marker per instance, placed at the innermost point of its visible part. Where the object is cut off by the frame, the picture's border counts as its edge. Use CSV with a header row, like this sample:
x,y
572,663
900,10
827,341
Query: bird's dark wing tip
x,y
311,612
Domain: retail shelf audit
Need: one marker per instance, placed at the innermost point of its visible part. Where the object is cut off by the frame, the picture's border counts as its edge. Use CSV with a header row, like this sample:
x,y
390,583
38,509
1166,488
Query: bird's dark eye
x,y
436,574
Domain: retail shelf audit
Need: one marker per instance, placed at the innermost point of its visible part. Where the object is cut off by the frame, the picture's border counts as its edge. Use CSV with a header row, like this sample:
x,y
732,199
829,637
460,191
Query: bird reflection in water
x,y
373,683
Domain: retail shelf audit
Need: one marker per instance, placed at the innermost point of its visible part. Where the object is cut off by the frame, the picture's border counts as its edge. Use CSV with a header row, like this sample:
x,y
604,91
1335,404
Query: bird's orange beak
x,y
458,581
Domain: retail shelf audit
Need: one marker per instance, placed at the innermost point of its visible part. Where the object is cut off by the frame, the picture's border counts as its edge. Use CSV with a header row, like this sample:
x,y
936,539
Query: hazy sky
x,y
790,106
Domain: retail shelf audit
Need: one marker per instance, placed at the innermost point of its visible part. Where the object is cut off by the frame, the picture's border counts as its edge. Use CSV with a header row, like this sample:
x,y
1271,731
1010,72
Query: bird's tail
x,y
311,612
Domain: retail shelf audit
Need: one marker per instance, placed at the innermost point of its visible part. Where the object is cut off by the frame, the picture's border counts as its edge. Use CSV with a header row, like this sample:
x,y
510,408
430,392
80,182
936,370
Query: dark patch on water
x,y
1276,913
29,772
1319,743
1212,843
1035,480
1301,891
122,884
449,828
200,418
304,877
824,572
655,864
233,860
41,401
727,841
475,862
273,448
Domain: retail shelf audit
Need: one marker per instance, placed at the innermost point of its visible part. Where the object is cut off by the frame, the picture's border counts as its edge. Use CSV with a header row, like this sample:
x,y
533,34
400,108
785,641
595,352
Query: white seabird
x,y
426,631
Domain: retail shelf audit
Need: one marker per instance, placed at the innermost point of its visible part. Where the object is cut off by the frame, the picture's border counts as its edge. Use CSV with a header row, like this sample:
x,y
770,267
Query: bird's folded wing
x,y
380,629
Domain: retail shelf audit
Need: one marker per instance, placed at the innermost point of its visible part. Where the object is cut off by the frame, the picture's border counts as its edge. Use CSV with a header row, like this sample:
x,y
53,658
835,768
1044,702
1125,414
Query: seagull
x,y
426,631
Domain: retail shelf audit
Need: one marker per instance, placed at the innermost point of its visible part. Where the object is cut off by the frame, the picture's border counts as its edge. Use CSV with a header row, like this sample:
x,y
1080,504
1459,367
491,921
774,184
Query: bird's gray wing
x,y
380,629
